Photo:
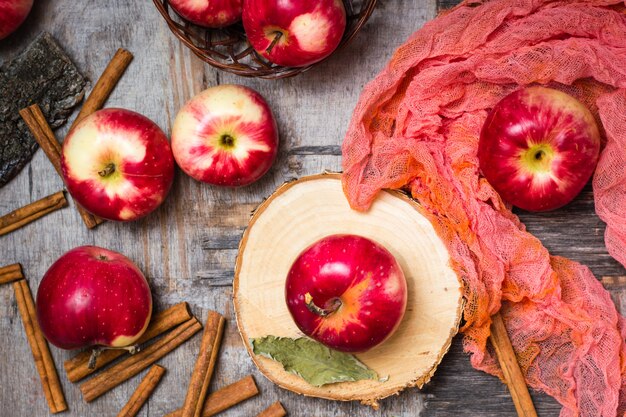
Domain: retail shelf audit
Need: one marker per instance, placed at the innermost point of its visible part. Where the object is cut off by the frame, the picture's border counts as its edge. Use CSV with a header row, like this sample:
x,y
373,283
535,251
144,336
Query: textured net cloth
x,y
417,125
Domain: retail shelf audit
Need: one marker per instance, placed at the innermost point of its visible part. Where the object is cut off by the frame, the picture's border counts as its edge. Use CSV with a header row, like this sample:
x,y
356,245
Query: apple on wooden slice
x,y
93,296
311,209
12,15
117,164
538,148
294,33
226,135
346,292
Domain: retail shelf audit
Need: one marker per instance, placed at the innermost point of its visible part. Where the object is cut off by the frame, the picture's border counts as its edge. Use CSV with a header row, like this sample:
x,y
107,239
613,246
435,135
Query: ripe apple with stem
x,y
538,148
209,13
347,292
294,33
92,296
12,15
117,164
226,135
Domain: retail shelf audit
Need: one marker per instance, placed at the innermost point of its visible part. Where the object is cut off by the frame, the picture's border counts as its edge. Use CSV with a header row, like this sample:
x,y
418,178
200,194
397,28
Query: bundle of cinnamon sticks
x,y
176,325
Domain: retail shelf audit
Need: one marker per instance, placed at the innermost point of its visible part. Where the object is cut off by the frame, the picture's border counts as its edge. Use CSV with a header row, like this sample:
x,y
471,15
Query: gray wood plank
x,y
446,4
187,247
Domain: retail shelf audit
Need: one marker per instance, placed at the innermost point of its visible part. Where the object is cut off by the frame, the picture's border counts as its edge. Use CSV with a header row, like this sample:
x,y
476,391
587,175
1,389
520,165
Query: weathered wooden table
x,y
187,248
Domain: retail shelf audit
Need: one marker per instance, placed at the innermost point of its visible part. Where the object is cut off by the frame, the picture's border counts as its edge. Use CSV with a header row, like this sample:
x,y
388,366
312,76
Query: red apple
x,y
226,135
538,148
294,33
117,164
93,296
346,292
209,13
12,15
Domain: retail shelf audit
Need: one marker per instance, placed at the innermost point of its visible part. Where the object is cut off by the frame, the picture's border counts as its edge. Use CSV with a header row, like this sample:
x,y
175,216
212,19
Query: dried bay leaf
x,y
312,361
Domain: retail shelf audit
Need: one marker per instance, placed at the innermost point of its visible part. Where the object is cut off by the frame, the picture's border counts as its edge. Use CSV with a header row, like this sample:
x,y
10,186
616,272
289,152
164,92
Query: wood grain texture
x,y
105,85
186,247
288,222
443,5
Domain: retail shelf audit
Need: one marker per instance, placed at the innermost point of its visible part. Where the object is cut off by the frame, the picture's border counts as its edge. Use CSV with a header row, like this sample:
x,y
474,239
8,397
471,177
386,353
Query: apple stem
x,y
108,170
279,35
94,356
97,351
335,303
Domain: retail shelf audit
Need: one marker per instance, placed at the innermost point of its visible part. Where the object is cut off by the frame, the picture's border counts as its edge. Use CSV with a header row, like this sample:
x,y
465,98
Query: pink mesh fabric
x,y
417,126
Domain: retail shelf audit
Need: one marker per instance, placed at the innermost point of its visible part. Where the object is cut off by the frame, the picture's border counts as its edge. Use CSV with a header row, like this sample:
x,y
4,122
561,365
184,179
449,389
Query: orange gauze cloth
x,y
417,125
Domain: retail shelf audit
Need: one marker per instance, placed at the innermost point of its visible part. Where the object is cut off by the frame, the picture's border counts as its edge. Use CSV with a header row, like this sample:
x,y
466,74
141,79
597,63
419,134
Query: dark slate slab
x,y
41,74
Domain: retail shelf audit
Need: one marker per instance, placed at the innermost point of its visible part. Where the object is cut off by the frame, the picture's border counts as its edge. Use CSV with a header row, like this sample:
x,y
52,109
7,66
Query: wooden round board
x,y
304,211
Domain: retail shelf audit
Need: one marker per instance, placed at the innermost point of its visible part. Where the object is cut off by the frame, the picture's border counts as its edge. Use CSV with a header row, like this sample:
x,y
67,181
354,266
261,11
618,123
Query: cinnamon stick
x,y
143,392
105,84
513,376
36,122
39,347
39,127
11,273
274,410
133,364
226,397
31,212
203,371
77,367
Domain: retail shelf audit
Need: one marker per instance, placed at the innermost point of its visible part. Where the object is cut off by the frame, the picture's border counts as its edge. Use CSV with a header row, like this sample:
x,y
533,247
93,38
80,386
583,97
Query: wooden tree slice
x,y
302,212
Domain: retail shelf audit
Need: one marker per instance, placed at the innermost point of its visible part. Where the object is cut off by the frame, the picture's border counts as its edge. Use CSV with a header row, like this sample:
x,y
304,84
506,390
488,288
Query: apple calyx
x,y
277,35
108,170
227,141
97,351
538,158
332,305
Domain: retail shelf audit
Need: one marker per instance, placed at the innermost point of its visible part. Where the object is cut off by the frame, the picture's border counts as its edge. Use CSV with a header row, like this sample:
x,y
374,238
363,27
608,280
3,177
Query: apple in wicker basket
x,y
294,33
209,13
117,164
226,135
12,15
538,148
93,296
346,292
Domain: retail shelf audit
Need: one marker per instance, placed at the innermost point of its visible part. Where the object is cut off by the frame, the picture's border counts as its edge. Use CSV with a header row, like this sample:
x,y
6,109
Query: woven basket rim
x,y
230,62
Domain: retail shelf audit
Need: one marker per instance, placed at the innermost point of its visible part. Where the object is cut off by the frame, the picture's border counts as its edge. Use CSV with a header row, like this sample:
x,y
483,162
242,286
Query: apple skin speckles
x,y
357,283
93,296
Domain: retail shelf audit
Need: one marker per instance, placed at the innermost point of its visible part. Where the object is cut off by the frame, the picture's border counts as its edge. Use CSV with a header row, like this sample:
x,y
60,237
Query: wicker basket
x,y
228,48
